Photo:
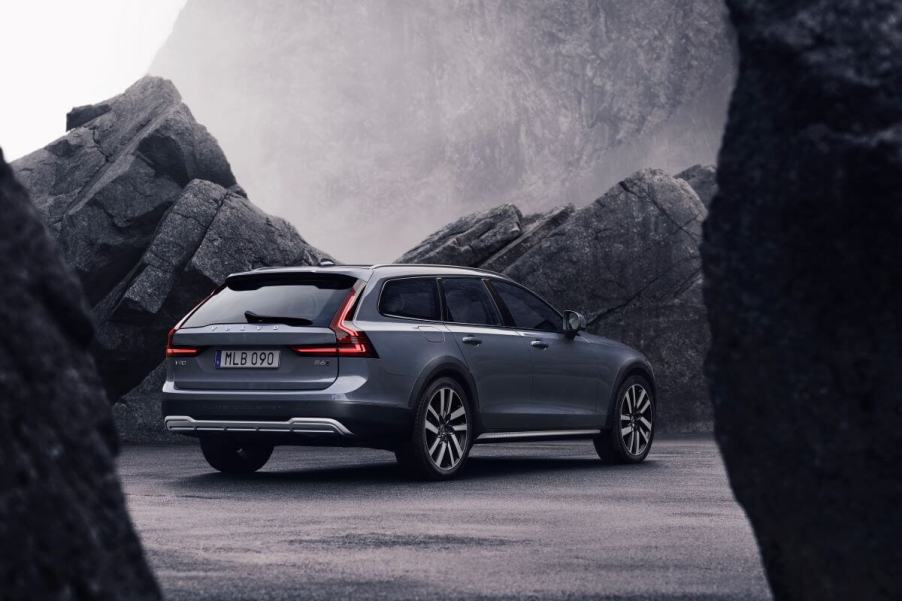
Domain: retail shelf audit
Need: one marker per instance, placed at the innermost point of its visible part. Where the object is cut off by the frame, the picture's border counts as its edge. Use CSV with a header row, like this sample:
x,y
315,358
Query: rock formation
x,y
344,117
65,529
803,283
147,212
703,179
629,261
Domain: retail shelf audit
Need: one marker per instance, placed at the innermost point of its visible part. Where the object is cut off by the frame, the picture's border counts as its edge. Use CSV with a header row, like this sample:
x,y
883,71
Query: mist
x,y
368,125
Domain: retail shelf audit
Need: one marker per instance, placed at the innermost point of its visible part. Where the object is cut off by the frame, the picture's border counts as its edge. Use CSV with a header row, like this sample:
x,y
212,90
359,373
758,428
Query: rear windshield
x,y
298,302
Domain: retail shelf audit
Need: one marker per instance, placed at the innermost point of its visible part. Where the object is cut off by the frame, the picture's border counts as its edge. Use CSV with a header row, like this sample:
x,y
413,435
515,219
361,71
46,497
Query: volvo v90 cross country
x,y
422,360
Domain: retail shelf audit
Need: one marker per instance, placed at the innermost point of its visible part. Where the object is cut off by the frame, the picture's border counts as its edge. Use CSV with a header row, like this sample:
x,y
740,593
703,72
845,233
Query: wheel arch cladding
x,y
633,368
446,367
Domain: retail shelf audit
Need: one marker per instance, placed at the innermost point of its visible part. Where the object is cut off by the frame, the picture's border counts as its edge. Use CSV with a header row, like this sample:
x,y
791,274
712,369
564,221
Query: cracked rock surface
x,y
146,210
63,521
802,260
629,261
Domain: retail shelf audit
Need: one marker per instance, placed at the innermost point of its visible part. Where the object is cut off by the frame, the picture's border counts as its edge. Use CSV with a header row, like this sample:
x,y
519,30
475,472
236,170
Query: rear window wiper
x,y
252,317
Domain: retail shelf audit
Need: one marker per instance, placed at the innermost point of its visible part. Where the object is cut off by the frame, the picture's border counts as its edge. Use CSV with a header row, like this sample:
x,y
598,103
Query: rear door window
x,y
293,301
410,297
527,310
468,301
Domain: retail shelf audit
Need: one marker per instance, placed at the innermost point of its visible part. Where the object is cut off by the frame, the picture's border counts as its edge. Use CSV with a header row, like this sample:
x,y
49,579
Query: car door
x,y
498,357
565,372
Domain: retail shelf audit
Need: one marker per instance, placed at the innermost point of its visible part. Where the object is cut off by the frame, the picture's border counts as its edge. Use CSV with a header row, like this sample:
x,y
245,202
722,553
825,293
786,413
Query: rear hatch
x,y
256,333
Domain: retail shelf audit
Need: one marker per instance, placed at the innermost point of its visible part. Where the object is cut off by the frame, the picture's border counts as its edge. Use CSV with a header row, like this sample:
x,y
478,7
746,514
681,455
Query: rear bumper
x,y
295,425
286,421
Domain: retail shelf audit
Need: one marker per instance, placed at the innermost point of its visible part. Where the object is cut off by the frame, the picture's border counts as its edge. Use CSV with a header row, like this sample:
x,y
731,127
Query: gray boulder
x,y
63,520
147,211
470,240
703,179
802,261
629,261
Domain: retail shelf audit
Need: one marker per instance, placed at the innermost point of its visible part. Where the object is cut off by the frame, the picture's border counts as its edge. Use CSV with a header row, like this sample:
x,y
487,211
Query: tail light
x,y
350,342
185,351
179,351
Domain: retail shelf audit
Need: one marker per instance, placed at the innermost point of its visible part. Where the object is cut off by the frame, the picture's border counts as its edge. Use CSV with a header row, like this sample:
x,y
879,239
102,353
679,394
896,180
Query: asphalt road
x,y
544,521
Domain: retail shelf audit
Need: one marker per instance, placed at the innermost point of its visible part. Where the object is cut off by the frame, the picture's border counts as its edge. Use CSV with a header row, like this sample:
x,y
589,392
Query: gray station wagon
x,y
422,360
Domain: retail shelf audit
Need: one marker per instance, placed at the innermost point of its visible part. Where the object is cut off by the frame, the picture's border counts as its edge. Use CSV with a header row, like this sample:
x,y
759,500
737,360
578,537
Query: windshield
x,y
299,302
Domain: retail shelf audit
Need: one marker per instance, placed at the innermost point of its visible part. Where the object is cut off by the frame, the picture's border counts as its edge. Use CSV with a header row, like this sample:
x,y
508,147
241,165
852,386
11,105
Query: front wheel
x,y
232,457
440,442
629,438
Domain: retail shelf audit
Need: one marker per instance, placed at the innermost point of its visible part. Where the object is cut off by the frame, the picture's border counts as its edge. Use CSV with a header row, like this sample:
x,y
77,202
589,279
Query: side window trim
x,y
507,313
489,292
438,295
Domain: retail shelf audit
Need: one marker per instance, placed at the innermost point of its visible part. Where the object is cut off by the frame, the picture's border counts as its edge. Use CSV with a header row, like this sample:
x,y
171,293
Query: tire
x,y
231,457
632,430
442,453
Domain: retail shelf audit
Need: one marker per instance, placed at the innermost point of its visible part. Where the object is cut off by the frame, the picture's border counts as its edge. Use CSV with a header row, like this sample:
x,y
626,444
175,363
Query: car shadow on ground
x,y
389,472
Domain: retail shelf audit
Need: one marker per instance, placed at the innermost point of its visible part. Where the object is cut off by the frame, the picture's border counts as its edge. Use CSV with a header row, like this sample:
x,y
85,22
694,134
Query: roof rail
x,y
379,265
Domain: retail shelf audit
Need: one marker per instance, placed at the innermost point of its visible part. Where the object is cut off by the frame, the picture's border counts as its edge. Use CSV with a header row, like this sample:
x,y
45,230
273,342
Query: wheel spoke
x,y
625,431
433,447
460,427
645,422
643,400
460,411
624,418
636,442
441,454
644,436
460,451
429,410
431,427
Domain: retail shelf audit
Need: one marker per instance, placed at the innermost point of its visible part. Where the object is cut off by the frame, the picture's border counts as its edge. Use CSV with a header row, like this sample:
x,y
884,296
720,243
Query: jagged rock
x,y
703,179
630,262
470,240
534,228
147,211
63,519
802,262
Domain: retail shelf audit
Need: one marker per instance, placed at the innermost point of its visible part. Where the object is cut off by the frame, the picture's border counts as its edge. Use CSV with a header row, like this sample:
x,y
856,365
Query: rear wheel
x,y
233,457
629,438
440,443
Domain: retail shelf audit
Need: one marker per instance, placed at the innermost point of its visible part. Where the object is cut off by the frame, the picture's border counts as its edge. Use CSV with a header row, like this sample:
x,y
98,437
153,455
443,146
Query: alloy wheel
x,y
636,417
446,428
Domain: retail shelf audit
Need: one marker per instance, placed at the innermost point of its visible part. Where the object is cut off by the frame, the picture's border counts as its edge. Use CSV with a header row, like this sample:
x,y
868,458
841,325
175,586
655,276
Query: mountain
x,y
370,124
629,261
145,209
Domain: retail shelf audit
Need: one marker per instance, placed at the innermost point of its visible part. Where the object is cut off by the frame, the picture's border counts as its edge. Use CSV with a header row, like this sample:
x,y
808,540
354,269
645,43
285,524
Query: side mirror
x,y
573,322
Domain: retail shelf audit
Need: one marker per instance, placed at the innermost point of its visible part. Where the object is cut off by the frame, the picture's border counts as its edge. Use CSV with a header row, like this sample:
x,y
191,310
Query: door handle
x,y
539,344
471,340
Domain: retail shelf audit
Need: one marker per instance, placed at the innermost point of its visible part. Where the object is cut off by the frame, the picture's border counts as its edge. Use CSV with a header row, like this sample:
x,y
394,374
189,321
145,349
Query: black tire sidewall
x,y
614,443
415,454
226,456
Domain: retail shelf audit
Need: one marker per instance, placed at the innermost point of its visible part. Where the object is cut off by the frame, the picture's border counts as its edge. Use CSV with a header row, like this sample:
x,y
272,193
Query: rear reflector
x,y
350,342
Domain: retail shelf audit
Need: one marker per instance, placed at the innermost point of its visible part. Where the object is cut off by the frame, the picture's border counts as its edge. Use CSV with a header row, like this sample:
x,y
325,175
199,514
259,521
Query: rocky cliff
x,y
64,526
342,116
146,210
803,283
629,261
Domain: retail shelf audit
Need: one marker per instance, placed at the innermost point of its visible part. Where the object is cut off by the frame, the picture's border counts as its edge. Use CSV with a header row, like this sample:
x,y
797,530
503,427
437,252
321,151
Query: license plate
x,y
239,359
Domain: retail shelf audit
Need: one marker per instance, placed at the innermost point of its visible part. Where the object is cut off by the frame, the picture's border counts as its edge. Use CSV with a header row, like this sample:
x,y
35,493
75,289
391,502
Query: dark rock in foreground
x,y
703,179
146,210
65,529
629,261
803,270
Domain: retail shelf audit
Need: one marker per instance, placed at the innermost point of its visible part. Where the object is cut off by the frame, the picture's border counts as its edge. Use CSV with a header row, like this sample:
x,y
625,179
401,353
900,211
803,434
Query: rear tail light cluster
x,y
180,350
350,342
